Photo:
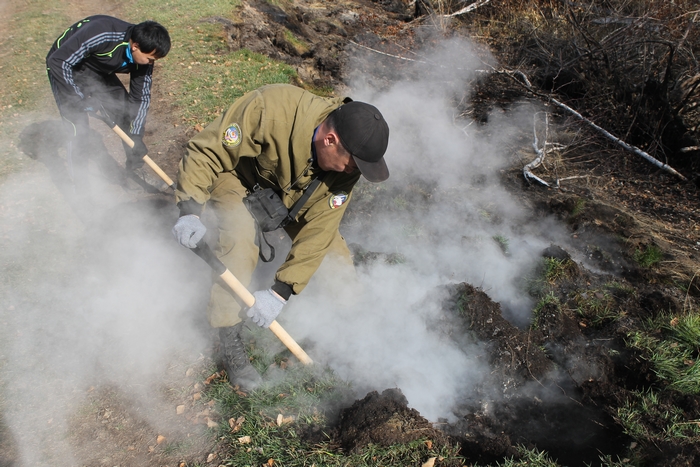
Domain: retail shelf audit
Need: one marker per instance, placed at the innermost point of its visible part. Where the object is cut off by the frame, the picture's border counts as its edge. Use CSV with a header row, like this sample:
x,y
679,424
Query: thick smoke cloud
x,y
100,296
382,332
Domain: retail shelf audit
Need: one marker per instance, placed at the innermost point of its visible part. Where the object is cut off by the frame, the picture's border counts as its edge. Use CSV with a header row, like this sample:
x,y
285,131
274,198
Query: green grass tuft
x,y
548,302
598,306
578,207
502,243
529,458
644,409
671,344
648,257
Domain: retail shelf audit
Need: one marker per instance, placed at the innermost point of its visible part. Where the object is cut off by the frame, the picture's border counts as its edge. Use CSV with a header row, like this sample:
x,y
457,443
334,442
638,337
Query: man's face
x,y
330,153
335,158
142,58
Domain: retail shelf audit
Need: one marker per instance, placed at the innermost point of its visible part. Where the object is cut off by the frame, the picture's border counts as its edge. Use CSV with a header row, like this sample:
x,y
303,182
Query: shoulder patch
x,y
338,199
232,136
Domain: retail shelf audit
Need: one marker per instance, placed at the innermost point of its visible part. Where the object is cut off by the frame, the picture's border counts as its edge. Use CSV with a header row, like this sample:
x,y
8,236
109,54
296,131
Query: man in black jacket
x,y
82,66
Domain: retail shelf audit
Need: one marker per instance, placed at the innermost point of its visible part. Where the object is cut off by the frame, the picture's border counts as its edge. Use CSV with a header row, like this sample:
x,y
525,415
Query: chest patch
x,y
338,199
232,136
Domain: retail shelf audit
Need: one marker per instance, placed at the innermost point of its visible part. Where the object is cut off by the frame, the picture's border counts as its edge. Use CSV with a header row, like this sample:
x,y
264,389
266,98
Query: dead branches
x,y
541,152
617,140
631,72
525,82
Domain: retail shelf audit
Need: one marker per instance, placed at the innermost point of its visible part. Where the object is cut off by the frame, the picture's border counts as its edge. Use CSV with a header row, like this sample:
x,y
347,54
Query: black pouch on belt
x,y
266,208
270,213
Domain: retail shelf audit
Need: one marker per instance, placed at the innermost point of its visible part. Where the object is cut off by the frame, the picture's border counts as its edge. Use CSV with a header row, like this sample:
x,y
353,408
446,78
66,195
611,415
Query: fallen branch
x,y
568,178
467,9
398,57
526,83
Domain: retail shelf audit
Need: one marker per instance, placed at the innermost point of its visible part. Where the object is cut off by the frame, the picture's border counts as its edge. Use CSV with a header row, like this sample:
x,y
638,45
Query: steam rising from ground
x,y
106,302
113,301
378,334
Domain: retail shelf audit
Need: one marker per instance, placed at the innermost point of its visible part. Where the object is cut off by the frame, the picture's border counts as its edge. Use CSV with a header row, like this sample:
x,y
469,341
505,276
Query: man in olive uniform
x,y
280,137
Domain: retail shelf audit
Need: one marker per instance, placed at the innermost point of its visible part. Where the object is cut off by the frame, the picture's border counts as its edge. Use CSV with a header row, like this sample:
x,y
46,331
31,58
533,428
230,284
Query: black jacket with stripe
x,y
100,44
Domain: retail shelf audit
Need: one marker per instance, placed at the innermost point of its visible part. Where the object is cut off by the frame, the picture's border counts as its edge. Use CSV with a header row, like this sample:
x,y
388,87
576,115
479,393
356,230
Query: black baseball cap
x,y
364,133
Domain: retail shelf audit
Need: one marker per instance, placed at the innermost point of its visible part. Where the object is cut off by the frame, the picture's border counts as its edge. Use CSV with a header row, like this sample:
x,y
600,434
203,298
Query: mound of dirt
x,y
383,419
541,404
320,33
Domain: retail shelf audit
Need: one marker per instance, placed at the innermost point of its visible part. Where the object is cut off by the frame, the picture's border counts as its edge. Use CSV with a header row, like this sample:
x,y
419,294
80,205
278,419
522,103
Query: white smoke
x,y
92,294
379,334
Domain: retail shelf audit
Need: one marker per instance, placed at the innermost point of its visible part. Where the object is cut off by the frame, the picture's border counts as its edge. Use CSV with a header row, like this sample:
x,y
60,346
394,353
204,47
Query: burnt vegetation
x,y
593,350
629,66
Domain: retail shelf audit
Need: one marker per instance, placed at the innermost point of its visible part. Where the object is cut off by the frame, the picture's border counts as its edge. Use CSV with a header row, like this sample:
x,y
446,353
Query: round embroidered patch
x,y
338,199
232,135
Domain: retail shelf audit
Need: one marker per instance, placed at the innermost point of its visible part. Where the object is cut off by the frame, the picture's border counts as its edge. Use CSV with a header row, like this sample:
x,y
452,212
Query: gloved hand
x,y
134,156
189,230
266,307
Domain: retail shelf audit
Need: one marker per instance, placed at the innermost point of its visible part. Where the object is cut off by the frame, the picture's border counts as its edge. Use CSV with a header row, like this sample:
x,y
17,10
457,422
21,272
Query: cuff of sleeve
x,y
190,207
283,290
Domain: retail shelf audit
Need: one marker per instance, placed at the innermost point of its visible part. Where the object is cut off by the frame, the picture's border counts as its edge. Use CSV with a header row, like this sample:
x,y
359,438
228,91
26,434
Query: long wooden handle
x,y
158,171
248,298
146,159
203,251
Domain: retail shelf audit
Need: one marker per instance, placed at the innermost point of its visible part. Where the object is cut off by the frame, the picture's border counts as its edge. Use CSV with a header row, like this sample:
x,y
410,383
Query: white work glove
x,y
189,230
266,307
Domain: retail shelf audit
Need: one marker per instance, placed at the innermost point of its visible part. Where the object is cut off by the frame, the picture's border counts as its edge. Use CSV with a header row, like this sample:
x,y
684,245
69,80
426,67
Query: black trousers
x,y
82,143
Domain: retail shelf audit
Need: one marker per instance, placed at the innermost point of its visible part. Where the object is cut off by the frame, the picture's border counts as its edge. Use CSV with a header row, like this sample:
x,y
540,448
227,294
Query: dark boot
x,y
235,359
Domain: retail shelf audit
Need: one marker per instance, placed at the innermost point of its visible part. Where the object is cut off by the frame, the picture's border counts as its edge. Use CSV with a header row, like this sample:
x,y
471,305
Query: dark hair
x,y
151,36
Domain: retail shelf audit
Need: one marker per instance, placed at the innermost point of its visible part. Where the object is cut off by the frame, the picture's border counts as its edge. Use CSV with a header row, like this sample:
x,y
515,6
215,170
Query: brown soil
x,y
562,383
383,419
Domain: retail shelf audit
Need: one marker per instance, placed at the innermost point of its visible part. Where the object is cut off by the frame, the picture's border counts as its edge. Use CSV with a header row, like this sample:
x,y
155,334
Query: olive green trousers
x,y
236,247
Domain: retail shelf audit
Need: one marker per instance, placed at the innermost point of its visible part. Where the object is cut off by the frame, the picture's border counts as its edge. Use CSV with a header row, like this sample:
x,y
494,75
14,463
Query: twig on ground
x,y
467,9
527,359
687,293
568,178
398,57
540,151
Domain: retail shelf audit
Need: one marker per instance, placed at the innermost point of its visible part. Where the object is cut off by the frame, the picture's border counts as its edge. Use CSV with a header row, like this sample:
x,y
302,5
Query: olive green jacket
x,y
265,138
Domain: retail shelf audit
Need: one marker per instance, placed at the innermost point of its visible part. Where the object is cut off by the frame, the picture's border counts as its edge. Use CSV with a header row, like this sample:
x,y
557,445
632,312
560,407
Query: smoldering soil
x,y
101,293
445,213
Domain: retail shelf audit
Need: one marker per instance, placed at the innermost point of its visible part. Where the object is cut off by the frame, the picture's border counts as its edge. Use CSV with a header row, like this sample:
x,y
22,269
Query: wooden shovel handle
x,y
204,252
146,159
248,298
